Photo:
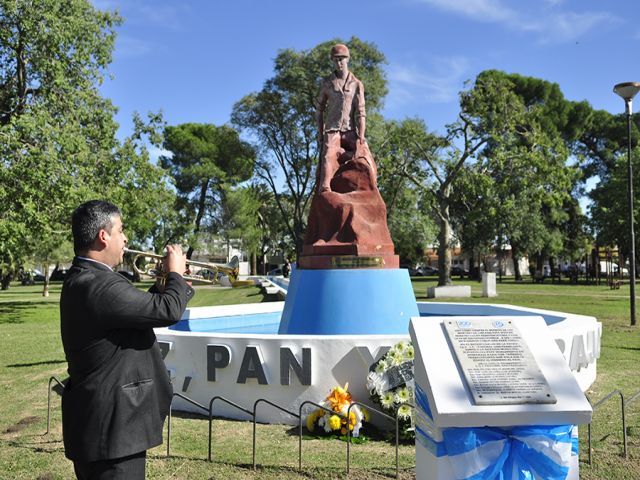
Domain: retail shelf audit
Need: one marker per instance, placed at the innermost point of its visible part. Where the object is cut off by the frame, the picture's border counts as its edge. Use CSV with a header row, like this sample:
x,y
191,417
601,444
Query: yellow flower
x,y
311,420
365,414
352,418
334,422
343,431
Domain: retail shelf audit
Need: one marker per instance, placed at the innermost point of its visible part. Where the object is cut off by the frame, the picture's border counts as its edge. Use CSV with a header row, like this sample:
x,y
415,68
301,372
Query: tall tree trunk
x,y
200,214
444,247
515,256
45,289
539,262
299,238
5,280
254,263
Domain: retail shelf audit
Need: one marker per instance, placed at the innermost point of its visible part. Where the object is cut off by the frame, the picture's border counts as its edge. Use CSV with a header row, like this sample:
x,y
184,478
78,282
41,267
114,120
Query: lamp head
x,y
627,91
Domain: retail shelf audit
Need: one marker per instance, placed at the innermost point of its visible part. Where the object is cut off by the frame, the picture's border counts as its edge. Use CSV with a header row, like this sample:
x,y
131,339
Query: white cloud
x,y
439,83
166,16
147,12
483,10
550,24
568,27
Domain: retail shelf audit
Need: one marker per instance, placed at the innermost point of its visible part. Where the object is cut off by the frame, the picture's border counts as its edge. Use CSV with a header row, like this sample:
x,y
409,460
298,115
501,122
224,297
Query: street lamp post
x,y
627,91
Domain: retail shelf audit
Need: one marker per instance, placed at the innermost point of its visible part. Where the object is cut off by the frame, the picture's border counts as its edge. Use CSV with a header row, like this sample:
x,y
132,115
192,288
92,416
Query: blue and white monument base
x,y
348,302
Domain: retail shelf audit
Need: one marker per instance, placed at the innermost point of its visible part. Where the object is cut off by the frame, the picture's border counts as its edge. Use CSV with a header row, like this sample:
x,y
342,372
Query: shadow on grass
x,y
618,347
48,446
34,364
10,311
370,432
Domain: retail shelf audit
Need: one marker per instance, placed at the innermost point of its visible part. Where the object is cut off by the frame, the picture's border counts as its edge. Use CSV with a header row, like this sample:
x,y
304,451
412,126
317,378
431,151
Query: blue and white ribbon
x,y
492,453
517,453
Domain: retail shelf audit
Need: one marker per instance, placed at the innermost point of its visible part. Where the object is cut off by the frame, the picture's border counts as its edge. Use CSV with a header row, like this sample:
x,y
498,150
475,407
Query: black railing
x,y
255,409
624,422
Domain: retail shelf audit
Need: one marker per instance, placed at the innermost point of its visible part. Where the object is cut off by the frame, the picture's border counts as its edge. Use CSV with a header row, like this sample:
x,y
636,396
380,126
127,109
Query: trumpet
x,y
206,273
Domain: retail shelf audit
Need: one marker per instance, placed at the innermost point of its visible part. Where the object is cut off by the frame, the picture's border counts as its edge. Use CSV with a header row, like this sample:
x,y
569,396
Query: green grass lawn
x,y
31,352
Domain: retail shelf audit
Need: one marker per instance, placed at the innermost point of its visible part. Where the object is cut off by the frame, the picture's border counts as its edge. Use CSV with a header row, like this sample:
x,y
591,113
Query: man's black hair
x,y
88,219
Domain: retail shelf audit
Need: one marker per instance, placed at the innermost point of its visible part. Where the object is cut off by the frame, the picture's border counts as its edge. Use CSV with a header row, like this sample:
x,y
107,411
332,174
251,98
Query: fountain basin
x,y
235,351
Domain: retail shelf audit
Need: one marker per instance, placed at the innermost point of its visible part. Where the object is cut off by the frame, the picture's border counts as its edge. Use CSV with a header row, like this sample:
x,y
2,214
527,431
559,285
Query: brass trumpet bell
x,y
206,272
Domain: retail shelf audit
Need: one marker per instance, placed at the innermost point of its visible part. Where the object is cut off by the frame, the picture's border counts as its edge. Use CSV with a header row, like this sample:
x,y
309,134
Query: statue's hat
x,y
339,50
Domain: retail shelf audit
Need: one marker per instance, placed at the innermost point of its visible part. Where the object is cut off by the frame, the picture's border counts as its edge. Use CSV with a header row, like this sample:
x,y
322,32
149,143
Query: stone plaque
x,y
497,364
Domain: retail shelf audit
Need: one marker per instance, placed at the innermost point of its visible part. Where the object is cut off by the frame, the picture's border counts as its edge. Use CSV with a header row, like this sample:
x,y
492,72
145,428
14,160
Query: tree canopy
x,y
58,144
204,160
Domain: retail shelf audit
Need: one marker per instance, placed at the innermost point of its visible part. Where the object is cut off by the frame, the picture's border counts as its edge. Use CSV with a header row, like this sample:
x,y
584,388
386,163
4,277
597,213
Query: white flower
x,y
382,366
402,395
404,412
358,413
400,347
386,400
396,358
409,353
327,427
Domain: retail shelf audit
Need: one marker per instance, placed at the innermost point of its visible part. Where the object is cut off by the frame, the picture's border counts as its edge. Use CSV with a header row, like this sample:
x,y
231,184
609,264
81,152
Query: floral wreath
x,y
333,421
391,385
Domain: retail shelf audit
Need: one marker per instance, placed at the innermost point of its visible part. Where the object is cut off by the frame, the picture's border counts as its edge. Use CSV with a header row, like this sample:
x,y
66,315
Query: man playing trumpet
x,y
118,393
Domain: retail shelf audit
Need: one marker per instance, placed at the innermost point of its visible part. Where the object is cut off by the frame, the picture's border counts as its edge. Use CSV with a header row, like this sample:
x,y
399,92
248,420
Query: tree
x,y
434,163
282,117
532,182
204,160
409,217
54,126
609,210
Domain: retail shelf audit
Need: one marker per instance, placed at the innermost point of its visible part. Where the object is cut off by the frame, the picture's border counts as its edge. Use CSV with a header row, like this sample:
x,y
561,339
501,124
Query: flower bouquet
x,y
334,422
391,386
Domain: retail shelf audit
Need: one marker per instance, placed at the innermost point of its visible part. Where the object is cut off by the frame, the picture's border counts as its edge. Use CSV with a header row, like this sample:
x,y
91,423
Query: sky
x,y
193,59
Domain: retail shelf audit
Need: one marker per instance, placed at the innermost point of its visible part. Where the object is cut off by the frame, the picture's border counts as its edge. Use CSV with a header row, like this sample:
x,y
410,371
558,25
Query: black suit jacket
x,y
118,394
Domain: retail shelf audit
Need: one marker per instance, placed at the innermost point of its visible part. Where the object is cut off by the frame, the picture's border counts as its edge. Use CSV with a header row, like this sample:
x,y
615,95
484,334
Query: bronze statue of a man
x,y
341,116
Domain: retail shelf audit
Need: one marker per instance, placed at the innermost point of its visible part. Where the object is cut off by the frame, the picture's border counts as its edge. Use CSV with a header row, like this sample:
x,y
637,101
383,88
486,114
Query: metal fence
x,y
624,405
209,412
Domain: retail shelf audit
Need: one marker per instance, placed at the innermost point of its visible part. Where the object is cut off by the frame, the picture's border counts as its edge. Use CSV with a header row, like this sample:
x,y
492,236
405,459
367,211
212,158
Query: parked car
x,y
414,272
30,277
458,270
429,270
58,275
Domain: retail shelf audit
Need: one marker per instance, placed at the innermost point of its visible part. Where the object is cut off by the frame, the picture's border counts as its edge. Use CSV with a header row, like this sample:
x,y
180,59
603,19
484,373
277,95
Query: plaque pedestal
x,y
458,438
489,284
348,301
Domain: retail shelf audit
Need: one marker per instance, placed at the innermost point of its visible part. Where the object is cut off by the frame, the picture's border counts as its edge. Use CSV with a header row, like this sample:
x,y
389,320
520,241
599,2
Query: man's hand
x,y
175,261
